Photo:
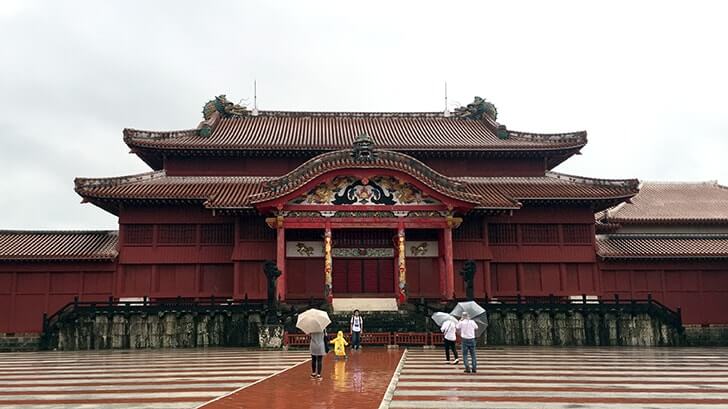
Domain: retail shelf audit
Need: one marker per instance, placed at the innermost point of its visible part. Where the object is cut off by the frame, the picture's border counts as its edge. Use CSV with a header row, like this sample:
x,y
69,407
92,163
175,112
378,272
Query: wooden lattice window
x,y
577,233
176,233
138,234
470,229
255,228
502,234
217,233
539,233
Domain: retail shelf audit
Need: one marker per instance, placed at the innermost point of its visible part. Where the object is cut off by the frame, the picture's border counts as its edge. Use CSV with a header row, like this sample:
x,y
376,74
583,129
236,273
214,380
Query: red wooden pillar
x,y
449,268
281,259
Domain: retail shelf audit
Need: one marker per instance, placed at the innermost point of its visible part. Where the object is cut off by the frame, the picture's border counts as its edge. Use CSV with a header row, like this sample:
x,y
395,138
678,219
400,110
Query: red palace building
x,y
385,205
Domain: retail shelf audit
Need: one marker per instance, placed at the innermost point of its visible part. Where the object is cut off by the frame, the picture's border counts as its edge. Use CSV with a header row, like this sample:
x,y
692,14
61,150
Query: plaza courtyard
x,y
511,377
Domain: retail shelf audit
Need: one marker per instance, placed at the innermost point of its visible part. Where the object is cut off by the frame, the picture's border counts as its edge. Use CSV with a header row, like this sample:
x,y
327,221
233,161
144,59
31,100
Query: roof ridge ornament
x,y
363,149
477,109
224,107
217,108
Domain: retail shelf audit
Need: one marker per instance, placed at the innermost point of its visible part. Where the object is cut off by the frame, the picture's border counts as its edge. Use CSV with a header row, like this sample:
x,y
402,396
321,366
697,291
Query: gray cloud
x,y
647,80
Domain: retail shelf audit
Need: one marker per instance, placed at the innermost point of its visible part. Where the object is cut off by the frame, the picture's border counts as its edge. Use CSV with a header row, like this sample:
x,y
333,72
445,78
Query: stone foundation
x,y
709,335
270,336
574,328
16,342
167,330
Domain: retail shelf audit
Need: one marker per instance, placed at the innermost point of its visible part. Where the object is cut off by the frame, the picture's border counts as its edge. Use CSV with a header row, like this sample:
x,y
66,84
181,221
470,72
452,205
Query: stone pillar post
x,y
401,267
328,269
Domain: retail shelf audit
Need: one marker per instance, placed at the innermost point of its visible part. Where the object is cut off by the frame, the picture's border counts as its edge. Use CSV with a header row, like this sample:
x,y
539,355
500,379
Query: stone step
x,y
365,304
12,343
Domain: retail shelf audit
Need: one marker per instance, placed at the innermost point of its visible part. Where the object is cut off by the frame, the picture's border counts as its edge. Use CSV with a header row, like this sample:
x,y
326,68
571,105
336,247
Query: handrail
x,y
146,304
519,301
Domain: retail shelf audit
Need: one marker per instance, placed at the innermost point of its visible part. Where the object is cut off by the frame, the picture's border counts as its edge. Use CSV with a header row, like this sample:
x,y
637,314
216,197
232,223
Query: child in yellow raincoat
x,y
339,345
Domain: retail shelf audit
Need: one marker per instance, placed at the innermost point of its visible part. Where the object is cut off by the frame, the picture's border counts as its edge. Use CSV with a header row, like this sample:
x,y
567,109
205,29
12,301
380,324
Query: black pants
x,y
317,362
448,346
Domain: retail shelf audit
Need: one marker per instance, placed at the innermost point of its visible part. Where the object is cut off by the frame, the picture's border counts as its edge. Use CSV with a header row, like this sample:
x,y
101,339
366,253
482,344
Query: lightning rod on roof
x,y
255,98
446,112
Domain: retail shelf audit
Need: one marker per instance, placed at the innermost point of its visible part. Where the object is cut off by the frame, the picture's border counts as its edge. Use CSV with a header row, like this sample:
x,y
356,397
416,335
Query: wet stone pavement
x,y
514,377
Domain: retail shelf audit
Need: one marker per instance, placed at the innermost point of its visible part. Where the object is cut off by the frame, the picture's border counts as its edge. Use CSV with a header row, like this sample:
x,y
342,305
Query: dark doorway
x,y
362,276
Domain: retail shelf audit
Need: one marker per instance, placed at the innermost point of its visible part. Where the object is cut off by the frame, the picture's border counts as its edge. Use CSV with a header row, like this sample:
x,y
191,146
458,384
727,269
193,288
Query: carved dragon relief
x,y
379,190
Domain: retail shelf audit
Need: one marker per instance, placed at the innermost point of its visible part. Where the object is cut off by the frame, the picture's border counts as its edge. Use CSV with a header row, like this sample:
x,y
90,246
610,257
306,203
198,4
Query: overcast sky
x,y
648,81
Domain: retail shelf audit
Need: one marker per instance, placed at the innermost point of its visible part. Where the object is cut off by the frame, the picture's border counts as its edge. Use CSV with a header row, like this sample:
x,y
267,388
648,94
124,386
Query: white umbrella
x,y
471,307
441,317
482,322
313,320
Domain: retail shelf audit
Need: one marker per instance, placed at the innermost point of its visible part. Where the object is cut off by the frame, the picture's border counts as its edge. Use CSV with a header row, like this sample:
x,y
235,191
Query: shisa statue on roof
x,y
226,108
476,110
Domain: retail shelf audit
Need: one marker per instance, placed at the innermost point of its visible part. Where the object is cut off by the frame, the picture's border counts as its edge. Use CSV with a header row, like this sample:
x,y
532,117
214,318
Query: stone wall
x,y
709,335
16,342
163,330
575,328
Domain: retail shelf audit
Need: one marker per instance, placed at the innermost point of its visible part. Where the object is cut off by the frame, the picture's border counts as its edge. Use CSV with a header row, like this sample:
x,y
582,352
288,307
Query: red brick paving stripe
x,y
260,368
114,383
561,389
560,399
132,367
585,374
197,374
589,381
614,369
191,399
103,391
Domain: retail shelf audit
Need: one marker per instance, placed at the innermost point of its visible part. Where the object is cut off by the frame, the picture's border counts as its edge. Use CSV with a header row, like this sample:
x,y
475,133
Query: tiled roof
x,y
58,245
241,192
677,202
213,191
662,246
324,131
555,186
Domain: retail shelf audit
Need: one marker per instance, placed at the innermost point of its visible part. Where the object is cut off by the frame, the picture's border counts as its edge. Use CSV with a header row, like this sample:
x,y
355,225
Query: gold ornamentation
x,y
304,250
402,267
419,250
328,288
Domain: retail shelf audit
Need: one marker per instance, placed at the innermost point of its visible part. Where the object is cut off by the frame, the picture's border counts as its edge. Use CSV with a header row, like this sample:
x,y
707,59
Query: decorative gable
x,y
379,190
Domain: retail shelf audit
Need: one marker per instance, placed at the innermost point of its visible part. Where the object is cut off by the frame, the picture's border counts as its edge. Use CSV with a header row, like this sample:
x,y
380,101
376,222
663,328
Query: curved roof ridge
x,y
44,231
386,159
131,133
713,182
584,179
576,136
355,114
80,183
667,235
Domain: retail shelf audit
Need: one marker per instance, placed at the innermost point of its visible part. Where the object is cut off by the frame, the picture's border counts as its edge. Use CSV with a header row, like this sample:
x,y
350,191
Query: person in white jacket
x,y
448,330
467,328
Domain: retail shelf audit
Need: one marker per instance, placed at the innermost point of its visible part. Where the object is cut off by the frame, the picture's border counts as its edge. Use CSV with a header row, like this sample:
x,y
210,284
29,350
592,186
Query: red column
x,y
449,269
281,261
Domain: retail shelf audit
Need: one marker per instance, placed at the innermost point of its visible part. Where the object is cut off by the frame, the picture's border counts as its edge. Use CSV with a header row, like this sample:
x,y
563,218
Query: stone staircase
x,y
383,321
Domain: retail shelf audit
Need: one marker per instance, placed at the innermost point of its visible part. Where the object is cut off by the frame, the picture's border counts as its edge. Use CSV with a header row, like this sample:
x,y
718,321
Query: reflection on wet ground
x,y
358,382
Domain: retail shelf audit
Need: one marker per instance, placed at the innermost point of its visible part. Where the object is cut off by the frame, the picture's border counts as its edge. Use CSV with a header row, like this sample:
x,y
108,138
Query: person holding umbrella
x,y
447,324
467,328
314,323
